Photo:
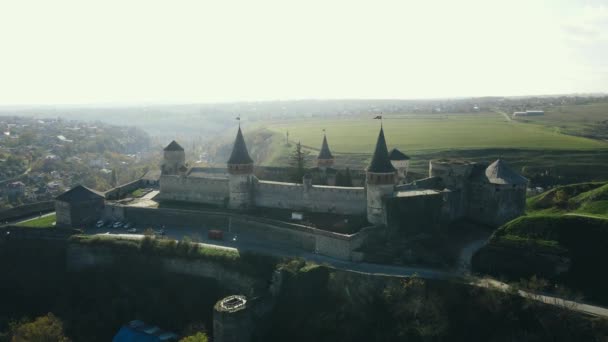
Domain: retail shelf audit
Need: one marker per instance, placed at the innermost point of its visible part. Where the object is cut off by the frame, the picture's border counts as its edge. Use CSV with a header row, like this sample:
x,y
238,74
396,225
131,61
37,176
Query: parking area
x,y
215,235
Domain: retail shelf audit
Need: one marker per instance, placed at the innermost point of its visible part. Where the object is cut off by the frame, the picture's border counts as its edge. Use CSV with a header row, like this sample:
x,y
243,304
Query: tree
x,y
297,162
344,178
114,179
43,329
198,337
348,180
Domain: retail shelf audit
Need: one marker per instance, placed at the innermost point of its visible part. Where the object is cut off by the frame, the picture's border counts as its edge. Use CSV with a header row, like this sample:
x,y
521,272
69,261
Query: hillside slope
x,y
581,199
564,238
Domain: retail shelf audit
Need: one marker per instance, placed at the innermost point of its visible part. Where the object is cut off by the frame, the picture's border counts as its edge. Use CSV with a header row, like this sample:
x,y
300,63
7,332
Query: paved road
x,y
503,114
544,298
466,254
587,215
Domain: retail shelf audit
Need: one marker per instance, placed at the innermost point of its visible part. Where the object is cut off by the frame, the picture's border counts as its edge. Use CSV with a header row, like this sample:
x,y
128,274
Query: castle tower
x,y
240,170
174,158
325,158
232,320
400,162
380,181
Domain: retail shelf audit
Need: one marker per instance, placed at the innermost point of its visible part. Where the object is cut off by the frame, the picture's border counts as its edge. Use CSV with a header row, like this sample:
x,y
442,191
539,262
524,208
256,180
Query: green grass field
x,y
42,222
432,132
589,120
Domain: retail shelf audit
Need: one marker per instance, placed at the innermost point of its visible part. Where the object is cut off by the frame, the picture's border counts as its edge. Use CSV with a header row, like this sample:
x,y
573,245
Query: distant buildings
x,y
529,113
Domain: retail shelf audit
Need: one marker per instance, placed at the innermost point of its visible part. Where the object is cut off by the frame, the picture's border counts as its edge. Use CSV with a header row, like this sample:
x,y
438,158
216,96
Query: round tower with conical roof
x,y
240,175
174,158
380,181
325,158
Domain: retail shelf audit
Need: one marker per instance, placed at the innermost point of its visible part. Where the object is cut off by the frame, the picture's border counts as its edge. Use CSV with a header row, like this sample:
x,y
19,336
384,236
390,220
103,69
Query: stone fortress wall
x,y
470,194
210,190
465,189
314,198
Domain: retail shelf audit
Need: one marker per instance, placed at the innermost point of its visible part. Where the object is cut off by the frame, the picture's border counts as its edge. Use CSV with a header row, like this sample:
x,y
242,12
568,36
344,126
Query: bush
x,y
198,337
43,329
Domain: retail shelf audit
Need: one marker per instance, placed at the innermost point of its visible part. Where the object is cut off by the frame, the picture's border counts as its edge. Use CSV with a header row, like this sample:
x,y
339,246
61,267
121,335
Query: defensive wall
x,y
80,257
273,173
26,210
26,233
194,189
123,190
336,245
315,198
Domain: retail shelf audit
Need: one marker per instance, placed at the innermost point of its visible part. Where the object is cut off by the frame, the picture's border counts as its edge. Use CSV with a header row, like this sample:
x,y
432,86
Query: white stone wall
x,y
316,198
62,210
194,189
240,188
172,160
375,205
454,174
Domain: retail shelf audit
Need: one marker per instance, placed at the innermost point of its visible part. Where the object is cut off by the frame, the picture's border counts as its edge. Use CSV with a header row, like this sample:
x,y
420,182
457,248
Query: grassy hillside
x,y
563,238
589,199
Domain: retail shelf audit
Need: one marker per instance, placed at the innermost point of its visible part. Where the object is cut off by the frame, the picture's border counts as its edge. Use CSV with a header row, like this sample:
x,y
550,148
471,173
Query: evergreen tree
x,y
114,179
339,179
297,162
348,180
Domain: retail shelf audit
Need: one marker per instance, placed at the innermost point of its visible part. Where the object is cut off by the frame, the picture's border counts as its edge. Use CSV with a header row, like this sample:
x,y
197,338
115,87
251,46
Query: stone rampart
x,y
316,198
80,257
26,210
123,190
194,189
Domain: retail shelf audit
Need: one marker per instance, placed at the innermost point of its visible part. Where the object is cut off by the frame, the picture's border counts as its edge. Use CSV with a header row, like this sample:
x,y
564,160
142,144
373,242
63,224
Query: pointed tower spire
x,y
325,158
239,154
325,152
381,163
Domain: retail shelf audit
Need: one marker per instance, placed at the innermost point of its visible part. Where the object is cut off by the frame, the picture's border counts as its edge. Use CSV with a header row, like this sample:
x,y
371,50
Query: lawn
x,y
432,132
41,222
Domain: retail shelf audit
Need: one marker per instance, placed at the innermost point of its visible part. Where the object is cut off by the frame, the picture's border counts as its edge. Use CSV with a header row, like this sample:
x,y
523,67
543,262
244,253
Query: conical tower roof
x,y
174,146
325,152
500,173
397,155
239,153
380,161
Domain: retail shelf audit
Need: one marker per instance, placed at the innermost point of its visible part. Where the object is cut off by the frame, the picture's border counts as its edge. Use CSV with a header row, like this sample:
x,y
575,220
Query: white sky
x,y
125,51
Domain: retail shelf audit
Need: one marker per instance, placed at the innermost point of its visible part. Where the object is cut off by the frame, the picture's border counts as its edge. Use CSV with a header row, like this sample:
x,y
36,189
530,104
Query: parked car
x,y
160,232
132,230
117,225
127,225
215,234
99,224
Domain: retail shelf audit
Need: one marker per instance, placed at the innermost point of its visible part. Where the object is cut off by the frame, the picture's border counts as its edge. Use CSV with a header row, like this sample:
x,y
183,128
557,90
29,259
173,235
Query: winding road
x,y
462,274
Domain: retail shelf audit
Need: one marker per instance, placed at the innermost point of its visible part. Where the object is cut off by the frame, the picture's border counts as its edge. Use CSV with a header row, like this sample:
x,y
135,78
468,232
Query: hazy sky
x,y
120,51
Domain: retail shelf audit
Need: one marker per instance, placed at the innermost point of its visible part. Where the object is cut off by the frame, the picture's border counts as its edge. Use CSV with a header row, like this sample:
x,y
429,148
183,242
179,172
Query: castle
x,y
490,194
